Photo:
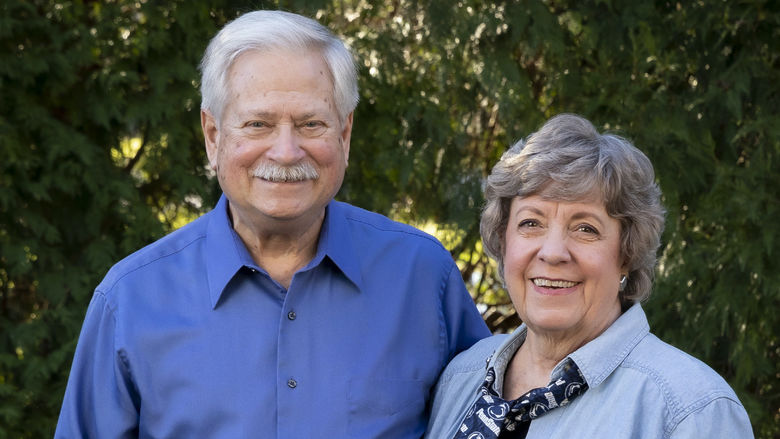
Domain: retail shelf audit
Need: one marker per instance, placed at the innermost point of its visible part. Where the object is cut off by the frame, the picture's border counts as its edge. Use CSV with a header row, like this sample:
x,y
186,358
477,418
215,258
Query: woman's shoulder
x,y
476,357
683,379
672,364
692,397
459,384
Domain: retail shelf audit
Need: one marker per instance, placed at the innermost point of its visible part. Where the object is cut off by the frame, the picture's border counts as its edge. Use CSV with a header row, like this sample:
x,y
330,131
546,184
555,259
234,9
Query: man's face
x,y
279,116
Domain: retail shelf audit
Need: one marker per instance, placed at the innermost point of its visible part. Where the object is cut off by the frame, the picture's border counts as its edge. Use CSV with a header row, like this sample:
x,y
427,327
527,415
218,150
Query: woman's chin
x,y
552,321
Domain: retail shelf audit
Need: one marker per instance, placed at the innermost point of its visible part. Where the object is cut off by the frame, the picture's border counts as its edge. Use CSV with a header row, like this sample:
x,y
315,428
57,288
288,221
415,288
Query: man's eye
x,y
257,124
312,128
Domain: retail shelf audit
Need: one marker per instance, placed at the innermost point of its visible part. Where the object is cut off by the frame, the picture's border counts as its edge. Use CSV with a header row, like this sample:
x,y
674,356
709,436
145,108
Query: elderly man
x,y
281,313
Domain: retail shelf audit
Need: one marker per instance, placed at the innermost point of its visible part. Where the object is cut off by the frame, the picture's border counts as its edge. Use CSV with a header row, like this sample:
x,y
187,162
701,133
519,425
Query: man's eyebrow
x,y
261,114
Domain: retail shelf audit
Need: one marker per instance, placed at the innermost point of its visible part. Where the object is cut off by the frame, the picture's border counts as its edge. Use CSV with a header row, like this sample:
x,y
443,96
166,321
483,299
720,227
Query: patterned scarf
x,y
491,414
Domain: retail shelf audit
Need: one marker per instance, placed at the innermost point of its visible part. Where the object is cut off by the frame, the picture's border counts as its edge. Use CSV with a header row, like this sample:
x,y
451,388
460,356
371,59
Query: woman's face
x,y
562,267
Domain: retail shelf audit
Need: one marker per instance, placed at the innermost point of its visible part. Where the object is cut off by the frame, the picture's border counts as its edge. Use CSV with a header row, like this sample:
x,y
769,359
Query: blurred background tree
x,y
101,152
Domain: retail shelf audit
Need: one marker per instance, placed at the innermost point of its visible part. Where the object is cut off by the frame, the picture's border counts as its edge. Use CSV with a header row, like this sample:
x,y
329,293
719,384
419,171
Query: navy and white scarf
x,y
490,415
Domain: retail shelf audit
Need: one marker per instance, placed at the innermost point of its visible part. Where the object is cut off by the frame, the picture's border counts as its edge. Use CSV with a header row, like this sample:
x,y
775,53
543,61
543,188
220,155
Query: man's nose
x,y
286,147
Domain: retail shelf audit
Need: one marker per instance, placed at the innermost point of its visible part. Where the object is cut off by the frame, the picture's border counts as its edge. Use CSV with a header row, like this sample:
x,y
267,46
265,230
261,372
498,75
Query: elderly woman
x,y
574,219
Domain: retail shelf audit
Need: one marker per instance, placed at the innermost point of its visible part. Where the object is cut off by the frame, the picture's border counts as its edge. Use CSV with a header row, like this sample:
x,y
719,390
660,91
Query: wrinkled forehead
x,y
586,189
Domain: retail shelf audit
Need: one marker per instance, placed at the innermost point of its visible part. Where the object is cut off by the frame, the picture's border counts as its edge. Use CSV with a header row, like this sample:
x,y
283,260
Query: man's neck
x,y
280,247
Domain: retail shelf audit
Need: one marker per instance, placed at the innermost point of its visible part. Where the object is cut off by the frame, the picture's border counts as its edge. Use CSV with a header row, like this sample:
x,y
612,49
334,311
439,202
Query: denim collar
x,y
597,359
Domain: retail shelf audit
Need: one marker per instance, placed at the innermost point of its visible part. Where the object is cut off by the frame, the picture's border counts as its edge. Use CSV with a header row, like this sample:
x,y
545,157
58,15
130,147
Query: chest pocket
x,y
386,408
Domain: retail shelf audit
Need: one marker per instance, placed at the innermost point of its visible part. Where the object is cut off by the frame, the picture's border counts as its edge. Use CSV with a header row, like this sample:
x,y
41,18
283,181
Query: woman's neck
x,y
534,361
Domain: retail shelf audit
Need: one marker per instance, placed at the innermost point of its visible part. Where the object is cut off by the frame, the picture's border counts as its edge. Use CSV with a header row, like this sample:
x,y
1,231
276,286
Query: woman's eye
x,y
587,229
528,223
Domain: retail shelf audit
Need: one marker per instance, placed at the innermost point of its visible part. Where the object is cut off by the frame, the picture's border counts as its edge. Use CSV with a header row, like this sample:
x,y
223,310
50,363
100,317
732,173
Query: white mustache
x,y
286,174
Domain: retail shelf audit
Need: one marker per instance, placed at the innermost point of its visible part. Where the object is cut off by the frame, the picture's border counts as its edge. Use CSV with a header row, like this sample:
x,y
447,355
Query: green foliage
x,y
77,80
102,153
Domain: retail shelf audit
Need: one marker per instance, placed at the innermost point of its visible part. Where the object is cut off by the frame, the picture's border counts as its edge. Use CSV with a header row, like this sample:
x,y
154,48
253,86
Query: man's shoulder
x,y
685,381
378,224
155,255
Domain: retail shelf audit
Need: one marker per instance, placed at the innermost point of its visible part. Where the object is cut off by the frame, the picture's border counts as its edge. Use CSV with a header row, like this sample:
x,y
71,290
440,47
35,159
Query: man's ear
x,y
210,135
346,135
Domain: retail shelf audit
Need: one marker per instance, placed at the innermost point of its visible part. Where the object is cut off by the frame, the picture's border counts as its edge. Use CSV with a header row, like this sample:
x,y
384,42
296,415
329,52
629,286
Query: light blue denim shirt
x,y
639,387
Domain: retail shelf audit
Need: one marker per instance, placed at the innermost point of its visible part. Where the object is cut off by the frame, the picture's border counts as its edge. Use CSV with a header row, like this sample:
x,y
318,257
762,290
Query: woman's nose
x,y
554,248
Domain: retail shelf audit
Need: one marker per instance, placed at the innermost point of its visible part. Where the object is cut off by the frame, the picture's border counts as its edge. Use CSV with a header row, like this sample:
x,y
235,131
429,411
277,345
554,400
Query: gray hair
x,y
566,160
270,30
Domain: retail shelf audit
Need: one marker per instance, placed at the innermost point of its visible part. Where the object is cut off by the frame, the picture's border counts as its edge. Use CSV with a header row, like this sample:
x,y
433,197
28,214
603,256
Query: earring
x,y
623,282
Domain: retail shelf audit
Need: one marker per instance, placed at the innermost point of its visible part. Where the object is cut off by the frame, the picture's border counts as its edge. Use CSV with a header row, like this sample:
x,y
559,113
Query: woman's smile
x,y
553,287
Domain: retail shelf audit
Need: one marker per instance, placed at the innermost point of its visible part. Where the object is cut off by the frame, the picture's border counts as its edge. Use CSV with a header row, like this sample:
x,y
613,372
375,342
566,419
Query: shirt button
x,y
291,383
291,315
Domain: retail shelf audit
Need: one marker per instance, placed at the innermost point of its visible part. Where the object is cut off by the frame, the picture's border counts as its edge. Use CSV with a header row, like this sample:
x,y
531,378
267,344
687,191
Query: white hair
x,y
273,30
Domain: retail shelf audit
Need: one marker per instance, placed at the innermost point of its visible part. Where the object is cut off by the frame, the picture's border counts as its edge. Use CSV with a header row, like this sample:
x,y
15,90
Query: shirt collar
x,y
596,360
226,254
500,359
601,356
337,244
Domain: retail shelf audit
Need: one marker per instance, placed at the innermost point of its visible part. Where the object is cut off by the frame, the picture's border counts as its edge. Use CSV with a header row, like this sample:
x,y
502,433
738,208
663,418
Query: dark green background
x,y
446,86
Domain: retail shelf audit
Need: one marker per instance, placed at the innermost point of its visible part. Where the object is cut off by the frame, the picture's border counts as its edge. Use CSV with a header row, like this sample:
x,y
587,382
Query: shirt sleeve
x,y
722,418
100,400
463,324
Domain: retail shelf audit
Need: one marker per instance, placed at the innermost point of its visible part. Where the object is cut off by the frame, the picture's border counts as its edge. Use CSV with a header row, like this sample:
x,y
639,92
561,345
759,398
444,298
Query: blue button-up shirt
x,y
189,337
639,388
